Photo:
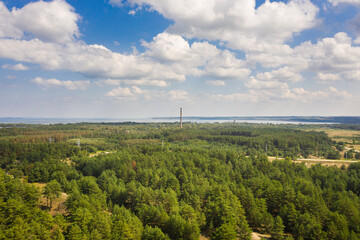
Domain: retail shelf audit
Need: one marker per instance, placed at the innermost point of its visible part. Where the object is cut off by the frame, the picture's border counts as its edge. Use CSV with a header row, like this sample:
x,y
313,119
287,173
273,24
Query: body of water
x,y
258,120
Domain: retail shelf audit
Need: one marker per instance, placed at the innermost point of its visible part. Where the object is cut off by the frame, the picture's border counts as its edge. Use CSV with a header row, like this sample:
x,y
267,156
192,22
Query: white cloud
x,y
71,85
237,23
256,84
17,67
330,59
135,93
115,82
169,48
282,74
198,59
7,24
121,93
296,94
337,2
335,55
216,83
167,58
327,77
330,93
91,60
51,41
53,21
178,95
331,54
235,97
353,75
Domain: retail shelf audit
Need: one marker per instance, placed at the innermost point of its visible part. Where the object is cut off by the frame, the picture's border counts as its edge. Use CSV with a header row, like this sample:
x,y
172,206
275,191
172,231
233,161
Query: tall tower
x,y
181,117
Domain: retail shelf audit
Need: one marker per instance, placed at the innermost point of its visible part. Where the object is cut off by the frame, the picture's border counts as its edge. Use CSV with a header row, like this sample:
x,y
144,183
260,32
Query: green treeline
x,y
279,142
210,180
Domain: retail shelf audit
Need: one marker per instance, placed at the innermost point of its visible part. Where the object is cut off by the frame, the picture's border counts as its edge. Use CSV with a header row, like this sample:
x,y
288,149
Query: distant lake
x,y
256,120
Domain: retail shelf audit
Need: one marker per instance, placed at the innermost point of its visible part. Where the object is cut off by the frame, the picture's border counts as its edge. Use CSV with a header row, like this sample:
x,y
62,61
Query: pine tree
x,y
278,229
52,190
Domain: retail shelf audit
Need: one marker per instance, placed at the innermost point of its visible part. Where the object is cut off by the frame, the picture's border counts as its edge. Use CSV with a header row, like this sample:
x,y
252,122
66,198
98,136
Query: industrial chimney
x,y
180,117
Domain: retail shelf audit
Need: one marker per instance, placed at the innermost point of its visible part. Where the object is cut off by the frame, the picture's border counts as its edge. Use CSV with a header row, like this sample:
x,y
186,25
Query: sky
x,y
147,58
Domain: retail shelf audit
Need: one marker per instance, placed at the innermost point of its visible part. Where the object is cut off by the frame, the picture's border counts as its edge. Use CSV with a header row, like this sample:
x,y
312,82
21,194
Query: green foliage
x,y
178,228
153,233
213,179
125,224
278,229
52,190
20,218
333,155
226,231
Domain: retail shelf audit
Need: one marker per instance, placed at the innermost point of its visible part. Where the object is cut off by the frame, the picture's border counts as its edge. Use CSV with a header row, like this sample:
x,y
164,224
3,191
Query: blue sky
x,y
147,58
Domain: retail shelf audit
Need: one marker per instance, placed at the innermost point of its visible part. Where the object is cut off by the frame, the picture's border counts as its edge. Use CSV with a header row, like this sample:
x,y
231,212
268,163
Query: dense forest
x,y
156,181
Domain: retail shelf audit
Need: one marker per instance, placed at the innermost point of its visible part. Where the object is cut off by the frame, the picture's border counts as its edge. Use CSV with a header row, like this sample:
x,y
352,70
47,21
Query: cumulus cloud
x,y
235,97
51,41
327,77
238,23
178,95
135,93
330,59
55,21
115,82
7,24
353,75
335,55
283,74
167,58
282,93
71,85
256,84
328,93
17,67
331,54
124,93
216,83
91,60
337,2
198,59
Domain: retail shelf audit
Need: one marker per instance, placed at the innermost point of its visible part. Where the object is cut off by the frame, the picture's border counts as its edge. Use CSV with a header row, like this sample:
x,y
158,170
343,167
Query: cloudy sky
x,y
147,58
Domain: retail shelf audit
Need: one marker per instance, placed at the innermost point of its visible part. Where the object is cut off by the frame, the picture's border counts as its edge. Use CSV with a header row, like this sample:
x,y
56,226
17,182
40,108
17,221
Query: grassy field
x,y
335,133
349,137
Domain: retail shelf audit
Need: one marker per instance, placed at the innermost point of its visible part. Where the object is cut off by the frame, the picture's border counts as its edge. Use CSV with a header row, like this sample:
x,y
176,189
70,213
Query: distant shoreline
x,y
250,119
